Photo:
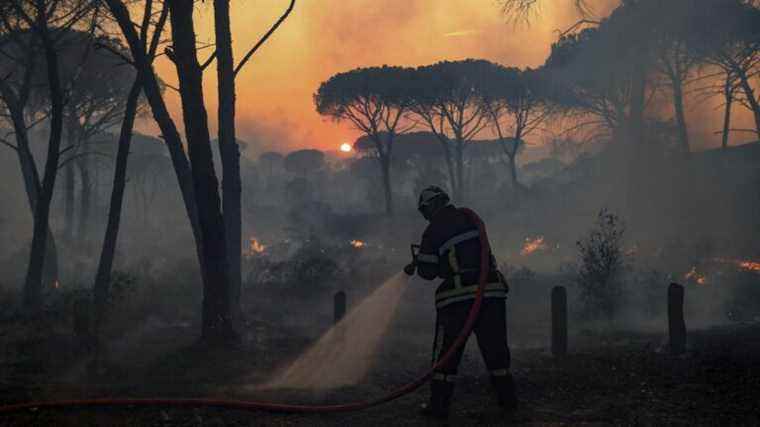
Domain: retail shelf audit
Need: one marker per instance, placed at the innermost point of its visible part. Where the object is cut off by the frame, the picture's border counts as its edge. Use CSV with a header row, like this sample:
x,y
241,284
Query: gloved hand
x,y
410,269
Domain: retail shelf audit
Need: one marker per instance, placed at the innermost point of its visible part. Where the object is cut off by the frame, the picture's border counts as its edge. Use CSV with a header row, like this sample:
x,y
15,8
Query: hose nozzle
x,y
410,269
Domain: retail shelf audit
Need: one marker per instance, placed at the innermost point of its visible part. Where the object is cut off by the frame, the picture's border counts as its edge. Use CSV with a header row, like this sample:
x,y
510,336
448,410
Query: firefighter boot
x,y
505,391
440,400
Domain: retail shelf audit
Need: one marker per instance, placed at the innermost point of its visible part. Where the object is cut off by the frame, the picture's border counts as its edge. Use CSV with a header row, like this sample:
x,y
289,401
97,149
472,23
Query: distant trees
x,y
726,35
447,99
451,101
515,99
304,162
375,101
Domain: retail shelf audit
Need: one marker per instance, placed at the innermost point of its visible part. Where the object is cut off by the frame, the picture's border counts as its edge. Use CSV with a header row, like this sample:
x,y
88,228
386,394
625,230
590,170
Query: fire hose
x,y
295,408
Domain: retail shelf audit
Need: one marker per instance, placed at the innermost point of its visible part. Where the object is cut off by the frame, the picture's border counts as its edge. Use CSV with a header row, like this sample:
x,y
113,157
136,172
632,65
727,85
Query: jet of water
x,y
344,354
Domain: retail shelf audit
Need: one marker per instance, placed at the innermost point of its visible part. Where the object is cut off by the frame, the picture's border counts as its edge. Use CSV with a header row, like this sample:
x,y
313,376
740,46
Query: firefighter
x,y
450,250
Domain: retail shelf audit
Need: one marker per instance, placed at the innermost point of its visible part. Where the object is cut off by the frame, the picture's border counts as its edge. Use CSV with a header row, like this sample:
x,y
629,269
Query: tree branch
x,y
265,37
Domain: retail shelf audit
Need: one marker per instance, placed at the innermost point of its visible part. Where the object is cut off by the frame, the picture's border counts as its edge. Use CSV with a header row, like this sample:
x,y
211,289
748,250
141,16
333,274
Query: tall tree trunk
x,y
449,161
459,193
683,132
161,116
749,93
32,186
385,166
728,93
85,202
513,172
217,322
229,150
33,282
105,264
636,147
68,202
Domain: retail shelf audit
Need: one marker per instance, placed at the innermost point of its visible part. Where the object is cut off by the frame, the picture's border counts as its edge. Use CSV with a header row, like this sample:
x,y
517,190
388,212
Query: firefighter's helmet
x,y
431,200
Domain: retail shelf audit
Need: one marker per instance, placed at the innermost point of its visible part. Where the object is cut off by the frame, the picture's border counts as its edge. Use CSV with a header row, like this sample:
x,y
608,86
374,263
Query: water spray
x,y
296,408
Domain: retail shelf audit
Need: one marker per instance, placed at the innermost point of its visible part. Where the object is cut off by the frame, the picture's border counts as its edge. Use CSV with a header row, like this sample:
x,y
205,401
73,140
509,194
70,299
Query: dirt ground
x,y
610,379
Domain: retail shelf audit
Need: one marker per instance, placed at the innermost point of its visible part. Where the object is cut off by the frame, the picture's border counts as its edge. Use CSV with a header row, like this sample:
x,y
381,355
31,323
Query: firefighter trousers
x,y
491,332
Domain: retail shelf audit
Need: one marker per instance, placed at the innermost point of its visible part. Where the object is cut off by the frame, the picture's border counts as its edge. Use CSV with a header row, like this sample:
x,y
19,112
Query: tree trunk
x,y
513,171
33,282
636,148
85,202
152,91
105,264
385,165
229,151
217,324
449,162
68,202
460,185
728,93
750,95
683,132
32,186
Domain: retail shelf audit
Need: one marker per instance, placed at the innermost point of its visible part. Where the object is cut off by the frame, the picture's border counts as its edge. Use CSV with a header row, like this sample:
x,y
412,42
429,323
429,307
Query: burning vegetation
x,y
533,245
255,247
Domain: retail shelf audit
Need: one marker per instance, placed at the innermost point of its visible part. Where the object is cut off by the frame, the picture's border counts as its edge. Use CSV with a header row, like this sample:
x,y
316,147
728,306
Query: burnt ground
x,y
620,379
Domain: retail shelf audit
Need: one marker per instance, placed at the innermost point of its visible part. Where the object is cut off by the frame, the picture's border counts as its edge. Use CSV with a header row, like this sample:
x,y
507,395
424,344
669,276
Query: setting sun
x,y
346,147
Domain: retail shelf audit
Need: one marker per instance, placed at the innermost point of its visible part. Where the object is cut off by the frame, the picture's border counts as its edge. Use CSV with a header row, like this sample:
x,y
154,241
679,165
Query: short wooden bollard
x,y
676,323
559,321
339,306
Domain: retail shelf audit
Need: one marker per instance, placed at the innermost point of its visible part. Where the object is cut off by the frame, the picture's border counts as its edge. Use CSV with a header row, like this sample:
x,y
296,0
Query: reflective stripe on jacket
x,y
450,249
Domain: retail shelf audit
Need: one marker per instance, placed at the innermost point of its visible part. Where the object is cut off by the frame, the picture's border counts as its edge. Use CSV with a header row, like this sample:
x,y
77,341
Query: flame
x,y
358,244
746,265
750,266
255,247
696,276
533,245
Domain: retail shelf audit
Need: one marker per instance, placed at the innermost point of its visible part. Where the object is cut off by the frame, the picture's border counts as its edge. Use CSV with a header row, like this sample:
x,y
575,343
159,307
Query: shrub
x,y
600,264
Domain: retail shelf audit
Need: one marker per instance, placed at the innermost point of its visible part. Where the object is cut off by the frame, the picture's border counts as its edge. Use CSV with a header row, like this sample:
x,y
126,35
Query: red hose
x,y
289,408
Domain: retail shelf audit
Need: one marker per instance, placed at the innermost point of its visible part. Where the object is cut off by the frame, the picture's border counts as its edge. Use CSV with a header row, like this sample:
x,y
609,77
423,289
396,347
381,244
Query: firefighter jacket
x,y
450,249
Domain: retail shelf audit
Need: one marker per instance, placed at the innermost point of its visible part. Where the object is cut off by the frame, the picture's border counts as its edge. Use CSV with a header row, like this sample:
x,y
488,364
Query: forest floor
x,y
607,379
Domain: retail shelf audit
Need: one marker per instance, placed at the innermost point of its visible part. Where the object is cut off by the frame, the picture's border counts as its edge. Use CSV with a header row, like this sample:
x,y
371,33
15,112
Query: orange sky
x,y
275,110
323,37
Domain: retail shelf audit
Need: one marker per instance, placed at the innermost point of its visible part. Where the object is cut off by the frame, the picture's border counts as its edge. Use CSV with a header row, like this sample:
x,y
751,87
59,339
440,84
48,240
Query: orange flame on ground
x,y
750,266
746,265
255,247
533,245
358,244
696,276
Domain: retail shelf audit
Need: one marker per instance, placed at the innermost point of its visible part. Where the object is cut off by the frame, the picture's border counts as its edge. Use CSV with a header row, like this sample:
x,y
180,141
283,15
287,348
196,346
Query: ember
x,y
358,244
533,245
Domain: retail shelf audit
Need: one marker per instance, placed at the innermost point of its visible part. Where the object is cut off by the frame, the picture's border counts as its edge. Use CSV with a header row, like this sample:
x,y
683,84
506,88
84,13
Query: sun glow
x,y
346,147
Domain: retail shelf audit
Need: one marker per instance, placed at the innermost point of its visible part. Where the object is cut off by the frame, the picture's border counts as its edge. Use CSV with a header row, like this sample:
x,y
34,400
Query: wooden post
x,y
339,306
676,323
559,321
